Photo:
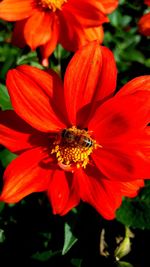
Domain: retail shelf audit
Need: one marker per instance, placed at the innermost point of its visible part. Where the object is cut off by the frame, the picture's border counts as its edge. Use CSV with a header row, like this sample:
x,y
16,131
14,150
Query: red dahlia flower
x,y
77,141
44,23
144,22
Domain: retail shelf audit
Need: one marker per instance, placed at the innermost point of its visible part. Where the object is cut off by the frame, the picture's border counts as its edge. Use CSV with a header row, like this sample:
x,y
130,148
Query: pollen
x,y
53,5
73,147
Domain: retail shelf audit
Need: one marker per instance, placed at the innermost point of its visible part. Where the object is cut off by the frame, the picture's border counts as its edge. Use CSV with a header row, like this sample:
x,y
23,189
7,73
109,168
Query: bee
x,y
70,137
85,141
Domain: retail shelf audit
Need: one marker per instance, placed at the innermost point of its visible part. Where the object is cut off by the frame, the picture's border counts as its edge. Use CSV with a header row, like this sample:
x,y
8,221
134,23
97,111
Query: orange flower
x,y
77,141
44,23
144,22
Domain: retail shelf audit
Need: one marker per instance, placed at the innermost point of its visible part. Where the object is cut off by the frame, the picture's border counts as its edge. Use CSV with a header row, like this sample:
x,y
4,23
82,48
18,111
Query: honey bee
x,y
70,137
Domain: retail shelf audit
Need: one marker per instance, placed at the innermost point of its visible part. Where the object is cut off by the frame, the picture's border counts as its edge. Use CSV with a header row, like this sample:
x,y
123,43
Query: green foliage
x,y
76,262
6,157
136,212
124,264
29,58
69,239
128,45
4,98
44,256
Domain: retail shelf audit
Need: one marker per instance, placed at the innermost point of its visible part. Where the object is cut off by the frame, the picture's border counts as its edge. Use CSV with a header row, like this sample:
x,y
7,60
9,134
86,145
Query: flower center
x,y
73,147
52,4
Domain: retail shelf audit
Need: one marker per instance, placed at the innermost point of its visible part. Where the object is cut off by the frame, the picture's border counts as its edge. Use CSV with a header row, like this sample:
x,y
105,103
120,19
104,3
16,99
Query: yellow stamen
x,y
73,147
53,5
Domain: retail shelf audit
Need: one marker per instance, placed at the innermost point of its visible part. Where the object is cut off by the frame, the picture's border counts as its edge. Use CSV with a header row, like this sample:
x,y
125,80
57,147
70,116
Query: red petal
x,y
26,174
108,6
74,198
18,34
14,132
81,78
144,24
58,191
136,85
130,189
73,201
37,30
73,35
87,81
62,192
102,194
123,163
144,142
86,12
17,135
106,86
48,48
91,34
13,10
117,117
147,2
33,94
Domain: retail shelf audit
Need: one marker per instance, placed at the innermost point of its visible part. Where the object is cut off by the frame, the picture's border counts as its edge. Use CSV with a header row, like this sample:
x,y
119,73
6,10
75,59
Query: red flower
x,y
144,22
79,142
147,2
44,23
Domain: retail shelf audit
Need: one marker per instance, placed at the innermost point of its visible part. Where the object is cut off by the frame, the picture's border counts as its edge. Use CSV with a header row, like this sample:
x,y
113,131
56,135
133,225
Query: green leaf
x,y
70,239
147,62
76,262
29,58
125,20
60,52
8,56
45,255
115,18
4,98
6,157
124,264
134,55
135,212
122,2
